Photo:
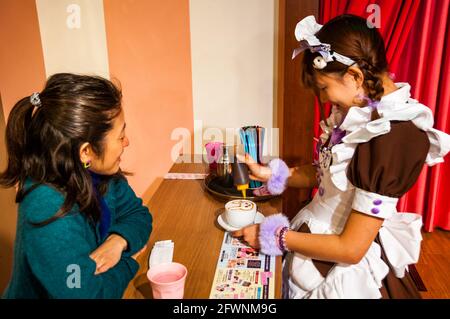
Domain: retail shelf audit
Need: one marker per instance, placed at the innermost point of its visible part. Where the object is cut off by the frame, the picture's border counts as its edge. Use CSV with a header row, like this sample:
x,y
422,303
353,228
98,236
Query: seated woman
x,y
80,226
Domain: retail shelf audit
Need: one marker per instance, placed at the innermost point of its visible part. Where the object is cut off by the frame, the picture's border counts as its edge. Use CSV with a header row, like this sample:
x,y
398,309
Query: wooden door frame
x,y
295,104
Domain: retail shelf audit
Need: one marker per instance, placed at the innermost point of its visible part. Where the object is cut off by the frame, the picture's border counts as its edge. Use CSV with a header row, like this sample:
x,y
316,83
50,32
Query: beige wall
x,y
145,45
232,63
149,52
73,36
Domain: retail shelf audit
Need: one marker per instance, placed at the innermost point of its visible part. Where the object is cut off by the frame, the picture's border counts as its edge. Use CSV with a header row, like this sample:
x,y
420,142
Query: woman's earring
x,y
87,164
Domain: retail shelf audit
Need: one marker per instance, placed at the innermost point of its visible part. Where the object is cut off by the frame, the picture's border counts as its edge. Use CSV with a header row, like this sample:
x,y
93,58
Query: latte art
x,y
240,213
241,205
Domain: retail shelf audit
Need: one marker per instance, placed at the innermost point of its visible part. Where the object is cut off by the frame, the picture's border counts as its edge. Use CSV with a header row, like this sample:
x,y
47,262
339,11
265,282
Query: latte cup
x,y
240,213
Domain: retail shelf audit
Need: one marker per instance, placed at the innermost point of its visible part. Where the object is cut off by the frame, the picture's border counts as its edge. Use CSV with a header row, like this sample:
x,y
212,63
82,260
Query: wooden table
x,y
186,213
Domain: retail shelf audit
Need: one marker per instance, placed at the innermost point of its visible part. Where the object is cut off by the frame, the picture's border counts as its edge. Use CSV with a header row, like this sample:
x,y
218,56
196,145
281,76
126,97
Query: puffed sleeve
x,y
386,167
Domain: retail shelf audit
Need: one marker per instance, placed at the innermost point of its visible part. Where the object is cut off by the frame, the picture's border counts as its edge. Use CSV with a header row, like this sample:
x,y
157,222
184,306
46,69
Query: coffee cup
x,y
240,213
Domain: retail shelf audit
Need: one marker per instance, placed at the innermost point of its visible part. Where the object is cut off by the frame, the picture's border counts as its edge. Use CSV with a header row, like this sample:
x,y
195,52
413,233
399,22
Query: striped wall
x,y
22,69
73,36
192,65
149,52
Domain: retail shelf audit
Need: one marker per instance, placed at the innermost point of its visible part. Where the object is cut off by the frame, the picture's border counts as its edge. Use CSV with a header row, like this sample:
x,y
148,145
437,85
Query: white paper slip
x,y
163,243
185,176
162,252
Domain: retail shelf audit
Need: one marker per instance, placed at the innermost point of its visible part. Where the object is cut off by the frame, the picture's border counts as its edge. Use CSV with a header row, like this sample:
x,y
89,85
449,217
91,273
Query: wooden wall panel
x,y
296,104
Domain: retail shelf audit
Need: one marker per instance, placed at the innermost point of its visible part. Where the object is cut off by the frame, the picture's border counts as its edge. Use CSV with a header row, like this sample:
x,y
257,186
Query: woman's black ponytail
x,y
16,140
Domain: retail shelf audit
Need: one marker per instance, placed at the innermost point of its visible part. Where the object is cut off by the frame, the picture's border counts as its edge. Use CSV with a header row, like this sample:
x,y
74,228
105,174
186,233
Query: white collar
x,y
358,117
402,94
360,129
396,106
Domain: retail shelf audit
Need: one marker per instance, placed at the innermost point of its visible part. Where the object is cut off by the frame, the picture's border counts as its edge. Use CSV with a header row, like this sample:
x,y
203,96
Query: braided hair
x,y
351,36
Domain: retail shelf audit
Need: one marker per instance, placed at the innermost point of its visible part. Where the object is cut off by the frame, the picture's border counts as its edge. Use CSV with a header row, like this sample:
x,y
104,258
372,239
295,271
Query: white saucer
x,y
258,220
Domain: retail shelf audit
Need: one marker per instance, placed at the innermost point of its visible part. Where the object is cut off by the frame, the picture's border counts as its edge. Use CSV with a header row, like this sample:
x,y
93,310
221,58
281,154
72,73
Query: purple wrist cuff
x,y
267,234
280,173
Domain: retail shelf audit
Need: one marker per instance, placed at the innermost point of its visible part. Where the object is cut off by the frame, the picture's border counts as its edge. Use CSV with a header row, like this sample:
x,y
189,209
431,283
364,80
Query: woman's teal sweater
x,y
53,261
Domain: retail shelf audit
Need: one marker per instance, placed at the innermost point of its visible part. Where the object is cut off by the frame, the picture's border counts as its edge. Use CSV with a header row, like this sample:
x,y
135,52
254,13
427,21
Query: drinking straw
x,y
251,134
252,138
261,134
243,139
258,142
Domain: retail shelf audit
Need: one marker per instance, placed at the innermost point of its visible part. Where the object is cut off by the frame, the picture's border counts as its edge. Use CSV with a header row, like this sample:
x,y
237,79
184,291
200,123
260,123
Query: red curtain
x,y
417,38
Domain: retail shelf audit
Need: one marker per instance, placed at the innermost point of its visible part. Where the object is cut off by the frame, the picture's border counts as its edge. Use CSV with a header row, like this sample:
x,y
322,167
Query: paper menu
x,y
242,272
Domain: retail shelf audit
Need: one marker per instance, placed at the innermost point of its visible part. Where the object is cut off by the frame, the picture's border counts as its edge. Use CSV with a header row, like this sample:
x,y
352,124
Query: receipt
x,y
162,252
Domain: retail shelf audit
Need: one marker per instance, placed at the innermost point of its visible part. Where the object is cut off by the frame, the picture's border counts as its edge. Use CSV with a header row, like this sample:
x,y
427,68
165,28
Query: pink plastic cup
x,y
167,280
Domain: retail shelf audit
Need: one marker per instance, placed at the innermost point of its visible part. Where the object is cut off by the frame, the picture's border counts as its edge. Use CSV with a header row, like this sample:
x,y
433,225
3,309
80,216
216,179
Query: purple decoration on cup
x,y
375,210
337,135
377,202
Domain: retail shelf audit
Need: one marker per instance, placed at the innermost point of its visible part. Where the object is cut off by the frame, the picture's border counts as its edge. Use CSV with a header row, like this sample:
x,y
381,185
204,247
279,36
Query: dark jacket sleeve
x,y
390,164
132,220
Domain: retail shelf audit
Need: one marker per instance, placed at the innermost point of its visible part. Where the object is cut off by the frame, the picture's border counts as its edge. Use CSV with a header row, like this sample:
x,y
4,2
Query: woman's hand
x,y
250,235
108,254
258,172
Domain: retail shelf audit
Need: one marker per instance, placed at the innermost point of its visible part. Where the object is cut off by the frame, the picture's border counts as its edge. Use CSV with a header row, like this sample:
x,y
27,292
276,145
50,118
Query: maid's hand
x,y
258,172
250,234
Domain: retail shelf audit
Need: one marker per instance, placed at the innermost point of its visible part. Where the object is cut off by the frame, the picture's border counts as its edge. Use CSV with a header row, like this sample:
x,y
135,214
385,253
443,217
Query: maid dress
x,y
368,170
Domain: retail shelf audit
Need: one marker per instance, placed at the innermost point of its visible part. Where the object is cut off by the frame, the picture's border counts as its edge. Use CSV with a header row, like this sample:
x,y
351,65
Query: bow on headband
x,y
305,33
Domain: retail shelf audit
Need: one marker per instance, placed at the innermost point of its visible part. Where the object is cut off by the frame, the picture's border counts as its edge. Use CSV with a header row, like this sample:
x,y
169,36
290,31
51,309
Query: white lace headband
x,y
305,33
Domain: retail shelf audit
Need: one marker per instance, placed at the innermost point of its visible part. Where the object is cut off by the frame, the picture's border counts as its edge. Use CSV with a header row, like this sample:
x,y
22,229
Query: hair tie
x,y
35,100
373,104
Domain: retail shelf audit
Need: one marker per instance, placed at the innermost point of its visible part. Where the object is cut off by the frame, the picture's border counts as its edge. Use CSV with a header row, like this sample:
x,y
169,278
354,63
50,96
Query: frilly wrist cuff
x,y
267,234
280,173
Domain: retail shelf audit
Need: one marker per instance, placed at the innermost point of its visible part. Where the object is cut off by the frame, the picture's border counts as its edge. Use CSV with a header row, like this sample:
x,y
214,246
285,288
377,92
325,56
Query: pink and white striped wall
x,y
195,65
